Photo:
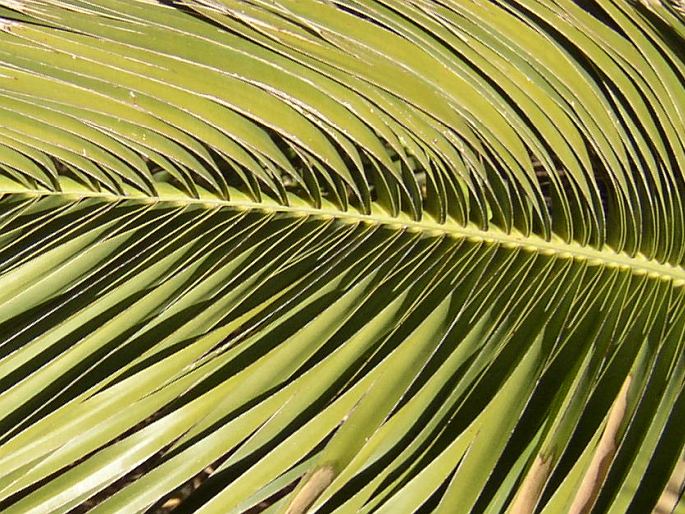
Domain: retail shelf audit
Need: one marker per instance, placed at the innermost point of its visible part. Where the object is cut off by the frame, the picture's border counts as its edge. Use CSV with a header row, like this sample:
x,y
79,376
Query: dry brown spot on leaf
x,y
529,492
312,489
604,454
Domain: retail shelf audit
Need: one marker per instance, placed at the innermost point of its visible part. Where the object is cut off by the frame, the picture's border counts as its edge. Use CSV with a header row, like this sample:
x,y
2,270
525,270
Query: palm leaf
x,y
347,256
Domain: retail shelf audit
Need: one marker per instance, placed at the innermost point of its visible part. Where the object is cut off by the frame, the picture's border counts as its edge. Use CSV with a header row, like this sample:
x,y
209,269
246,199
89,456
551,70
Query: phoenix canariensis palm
x,y
342,255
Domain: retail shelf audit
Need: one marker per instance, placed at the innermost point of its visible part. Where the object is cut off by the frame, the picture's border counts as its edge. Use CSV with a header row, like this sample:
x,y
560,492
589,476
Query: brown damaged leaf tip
x,y
604,454
312,489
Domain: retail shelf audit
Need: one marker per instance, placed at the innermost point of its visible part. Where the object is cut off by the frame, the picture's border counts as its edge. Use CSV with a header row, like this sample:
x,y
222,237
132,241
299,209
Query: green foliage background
x,y
344,256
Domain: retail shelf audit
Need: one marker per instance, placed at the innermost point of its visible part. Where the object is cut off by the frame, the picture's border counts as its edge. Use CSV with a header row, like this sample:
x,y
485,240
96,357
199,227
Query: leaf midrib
x,y
638,265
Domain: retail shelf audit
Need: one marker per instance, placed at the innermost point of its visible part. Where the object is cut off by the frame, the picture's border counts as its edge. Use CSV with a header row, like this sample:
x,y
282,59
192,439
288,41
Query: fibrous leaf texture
x,y
351,256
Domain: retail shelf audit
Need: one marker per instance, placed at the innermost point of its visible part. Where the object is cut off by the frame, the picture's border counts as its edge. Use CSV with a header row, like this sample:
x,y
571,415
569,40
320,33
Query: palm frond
x,y
341,256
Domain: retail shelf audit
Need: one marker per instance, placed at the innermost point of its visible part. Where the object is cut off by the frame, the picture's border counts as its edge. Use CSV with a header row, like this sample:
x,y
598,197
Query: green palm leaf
x,y
347,256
